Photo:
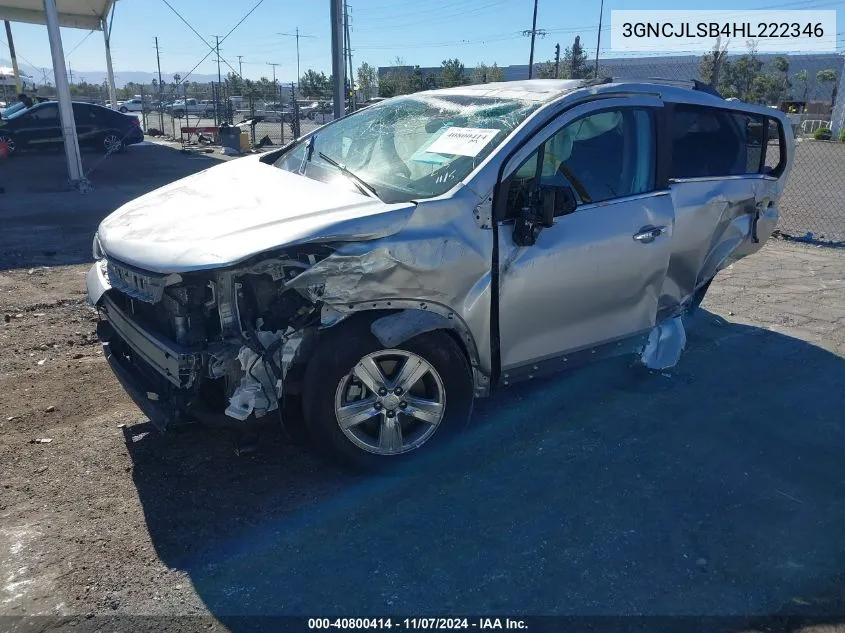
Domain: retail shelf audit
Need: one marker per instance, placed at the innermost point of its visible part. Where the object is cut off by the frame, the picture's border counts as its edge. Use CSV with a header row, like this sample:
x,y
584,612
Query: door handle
x,y
649,234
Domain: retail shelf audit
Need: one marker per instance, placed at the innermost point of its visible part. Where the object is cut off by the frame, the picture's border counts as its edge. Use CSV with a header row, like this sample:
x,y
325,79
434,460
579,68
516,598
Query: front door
x,y
595,276
40,126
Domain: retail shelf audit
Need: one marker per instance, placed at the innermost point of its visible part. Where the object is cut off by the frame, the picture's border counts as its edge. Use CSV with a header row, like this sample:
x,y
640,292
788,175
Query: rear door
x,y
725,180
594,276
85,119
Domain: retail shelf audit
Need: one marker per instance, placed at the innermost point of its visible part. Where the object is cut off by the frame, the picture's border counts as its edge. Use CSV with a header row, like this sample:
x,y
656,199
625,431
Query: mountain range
x,y
121,78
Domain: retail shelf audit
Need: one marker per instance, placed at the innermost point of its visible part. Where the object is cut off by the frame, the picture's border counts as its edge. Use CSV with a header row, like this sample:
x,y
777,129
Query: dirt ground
x,y
716,488
99,515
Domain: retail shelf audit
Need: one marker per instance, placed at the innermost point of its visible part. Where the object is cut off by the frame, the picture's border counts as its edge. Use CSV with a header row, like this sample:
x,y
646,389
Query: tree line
x,y
744,77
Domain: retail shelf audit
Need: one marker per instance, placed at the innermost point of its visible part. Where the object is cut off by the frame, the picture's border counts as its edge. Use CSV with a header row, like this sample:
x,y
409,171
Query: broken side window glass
x,y
601,156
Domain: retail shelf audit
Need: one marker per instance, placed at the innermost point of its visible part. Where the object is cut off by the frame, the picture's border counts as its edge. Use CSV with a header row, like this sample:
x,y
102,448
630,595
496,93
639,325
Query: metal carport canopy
x,y
78,14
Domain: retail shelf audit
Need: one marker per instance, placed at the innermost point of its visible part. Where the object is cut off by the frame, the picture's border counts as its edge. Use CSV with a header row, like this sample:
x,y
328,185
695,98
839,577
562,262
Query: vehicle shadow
x,y
716,488
47,224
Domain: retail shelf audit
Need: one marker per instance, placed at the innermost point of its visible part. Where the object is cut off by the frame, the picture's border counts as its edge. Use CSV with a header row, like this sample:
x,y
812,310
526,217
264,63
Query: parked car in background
x,y
133,105
96,126
191,106
391,266
307,108
369,102
276,113
15,107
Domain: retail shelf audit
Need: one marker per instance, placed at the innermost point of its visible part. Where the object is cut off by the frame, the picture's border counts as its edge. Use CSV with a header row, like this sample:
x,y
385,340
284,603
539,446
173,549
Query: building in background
x,y
676,67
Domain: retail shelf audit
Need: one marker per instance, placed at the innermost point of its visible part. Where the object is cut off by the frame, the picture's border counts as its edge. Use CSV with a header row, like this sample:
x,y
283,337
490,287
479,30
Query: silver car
x,y
367,282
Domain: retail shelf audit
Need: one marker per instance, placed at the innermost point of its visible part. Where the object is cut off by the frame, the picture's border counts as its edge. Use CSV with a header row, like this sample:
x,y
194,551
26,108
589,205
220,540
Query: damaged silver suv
x,y
367,282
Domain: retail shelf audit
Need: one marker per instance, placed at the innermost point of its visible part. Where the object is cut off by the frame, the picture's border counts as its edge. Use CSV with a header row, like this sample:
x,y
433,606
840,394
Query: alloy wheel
x,y
8,143
112,143
391,402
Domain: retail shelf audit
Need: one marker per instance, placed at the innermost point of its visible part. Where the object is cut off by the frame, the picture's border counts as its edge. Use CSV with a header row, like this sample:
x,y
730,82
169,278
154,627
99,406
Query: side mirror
x,y
545,204
557,200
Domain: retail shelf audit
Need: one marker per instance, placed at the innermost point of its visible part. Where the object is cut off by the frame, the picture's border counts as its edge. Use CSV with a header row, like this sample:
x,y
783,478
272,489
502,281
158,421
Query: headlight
x,y
97,249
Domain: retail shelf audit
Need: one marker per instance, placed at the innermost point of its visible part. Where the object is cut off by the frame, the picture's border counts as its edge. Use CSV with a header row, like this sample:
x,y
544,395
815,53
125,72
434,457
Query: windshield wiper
x,y
309,149
362,184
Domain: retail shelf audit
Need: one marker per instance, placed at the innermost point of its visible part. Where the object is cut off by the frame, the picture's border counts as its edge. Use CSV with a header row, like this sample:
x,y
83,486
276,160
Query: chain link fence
x,y
804,86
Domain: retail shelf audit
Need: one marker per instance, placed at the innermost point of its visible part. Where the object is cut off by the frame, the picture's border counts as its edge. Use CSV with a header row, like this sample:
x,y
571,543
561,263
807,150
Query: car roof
x,y
539,90
551,90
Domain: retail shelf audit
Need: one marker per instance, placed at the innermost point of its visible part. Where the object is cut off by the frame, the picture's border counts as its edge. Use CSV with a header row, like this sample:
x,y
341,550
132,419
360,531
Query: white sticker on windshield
x,y
463,141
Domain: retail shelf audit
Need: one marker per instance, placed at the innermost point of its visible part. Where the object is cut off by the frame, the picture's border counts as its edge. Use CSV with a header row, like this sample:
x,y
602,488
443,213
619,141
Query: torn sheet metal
x,y
665,344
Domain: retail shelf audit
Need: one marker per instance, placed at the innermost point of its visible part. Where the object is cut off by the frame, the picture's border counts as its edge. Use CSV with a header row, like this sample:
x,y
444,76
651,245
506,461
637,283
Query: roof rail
x,y
693,84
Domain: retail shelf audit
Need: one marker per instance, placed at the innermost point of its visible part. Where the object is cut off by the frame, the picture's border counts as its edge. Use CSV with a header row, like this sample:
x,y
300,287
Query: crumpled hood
x,y
243,207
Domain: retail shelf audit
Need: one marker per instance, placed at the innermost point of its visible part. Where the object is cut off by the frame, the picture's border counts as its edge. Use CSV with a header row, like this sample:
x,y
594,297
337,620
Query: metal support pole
x,y
338,70
349,57
160,88
18,88
109,67
71,142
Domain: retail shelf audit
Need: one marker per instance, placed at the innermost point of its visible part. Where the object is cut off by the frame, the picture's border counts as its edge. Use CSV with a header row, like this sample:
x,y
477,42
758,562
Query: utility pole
x,y
274,74
240,67
217,116
598,43
533,33
557,61
70,72
338,70
14,57
297,35
160,104
217,48
349,56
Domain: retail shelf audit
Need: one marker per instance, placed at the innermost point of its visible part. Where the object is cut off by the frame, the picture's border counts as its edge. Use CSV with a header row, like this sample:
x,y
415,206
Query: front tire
x,y
124,109
371,408
7,142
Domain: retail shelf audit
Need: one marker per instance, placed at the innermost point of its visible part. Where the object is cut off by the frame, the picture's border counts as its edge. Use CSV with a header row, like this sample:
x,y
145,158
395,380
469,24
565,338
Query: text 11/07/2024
x,y
412,624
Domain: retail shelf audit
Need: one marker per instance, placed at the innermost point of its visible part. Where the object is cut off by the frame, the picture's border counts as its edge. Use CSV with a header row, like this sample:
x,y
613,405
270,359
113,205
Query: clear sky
x,y
422,32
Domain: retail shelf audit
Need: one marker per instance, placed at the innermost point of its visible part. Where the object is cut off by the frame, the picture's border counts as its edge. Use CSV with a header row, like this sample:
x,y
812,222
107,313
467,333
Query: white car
x,y
132,105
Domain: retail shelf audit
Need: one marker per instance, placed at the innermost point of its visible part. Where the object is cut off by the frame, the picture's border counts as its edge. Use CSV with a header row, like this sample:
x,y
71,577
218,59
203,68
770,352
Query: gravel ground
x,y
716,489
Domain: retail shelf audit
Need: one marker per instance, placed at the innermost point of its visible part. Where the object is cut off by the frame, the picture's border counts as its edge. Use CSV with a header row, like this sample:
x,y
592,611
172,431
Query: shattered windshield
x,y
408,148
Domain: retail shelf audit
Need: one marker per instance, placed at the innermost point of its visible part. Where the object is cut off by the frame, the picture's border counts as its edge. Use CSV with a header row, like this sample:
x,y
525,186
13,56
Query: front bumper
x,y
177,364
143,391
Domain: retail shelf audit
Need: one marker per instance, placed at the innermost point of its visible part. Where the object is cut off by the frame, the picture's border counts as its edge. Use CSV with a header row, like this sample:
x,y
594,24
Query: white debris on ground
x,y
665,344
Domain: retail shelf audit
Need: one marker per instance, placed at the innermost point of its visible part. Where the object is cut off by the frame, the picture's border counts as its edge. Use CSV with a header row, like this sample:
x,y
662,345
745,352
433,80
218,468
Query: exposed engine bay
x,y
224,341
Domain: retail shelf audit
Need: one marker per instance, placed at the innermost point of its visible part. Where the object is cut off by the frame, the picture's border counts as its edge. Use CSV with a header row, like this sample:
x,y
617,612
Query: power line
x,y
297,35
68,54
188,24
381,24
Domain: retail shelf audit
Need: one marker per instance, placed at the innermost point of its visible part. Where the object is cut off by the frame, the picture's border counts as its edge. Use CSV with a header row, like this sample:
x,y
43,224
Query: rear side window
x,y
775,159
48,113
714,143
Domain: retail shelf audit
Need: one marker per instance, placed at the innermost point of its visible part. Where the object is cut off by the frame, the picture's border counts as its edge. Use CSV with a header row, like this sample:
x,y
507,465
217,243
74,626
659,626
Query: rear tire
x,y
409,417
112,143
